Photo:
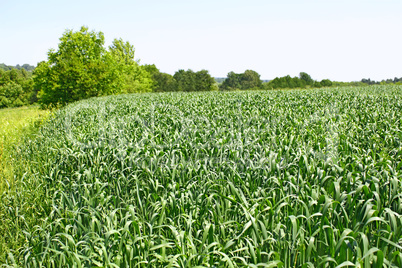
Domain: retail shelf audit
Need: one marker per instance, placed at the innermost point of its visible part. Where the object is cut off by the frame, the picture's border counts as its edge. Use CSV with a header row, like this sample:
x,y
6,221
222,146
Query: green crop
x,y
307,178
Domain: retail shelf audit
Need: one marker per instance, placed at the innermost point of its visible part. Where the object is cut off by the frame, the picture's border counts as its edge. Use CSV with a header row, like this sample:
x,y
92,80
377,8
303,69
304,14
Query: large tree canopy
x,y
82,67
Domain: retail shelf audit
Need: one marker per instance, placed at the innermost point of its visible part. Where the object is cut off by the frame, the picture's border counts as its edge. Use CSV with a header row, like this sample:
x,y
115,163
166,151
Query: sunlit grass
x,y
14,124
18,197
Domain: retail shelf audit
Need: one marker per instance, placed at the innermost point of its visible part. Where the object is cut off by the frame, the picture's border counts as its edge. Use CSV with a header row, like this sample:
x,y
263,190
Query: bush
x,y
10,95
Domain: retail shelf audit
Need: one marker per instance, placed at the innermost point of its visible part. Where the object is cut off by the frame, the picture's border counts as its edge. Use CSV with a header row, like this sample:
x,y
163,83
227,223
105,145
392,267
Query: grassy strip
x,y
18,197
15,123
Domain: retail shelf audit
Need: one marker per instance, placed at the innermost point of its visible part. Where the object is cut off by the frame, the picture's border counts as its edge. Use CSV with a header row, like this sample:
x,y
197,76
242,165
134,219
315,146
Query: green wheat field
x,y
296,178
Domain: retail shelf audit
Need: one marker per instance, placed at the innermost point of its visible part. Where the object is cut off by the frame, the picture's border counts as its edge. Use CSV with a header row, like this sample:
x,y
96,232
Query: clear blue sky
x,y
340,40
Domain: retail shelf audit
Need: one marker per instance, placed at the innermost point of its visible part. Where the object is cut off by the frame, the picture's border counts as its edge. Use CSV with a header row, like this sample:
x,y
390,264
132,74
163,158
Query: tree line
x,y
27,67
396,80
82,67
303,81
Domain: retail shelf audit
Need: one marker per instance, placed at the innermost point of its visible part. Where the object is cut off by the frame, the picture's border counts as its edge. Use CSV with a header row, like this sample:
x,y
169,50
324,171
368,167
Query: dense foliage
x,y
27,67
396,80
161,81
82,67
308,178
304,80
16,88
194,81
181,81
243,81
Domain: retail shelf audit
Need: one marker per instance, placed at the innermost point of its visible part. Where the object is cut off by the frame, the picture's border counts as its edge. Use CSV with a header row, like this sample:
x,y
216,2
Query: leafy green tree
x,y
162,81
307,78
4,67
11,95
14,75
232,82
203,81
299,83
326,83
138,80
165,82
247,80
194,81
16,88
185,80
123,53
286,82
82,67
131,77
317,84
250,79
79,69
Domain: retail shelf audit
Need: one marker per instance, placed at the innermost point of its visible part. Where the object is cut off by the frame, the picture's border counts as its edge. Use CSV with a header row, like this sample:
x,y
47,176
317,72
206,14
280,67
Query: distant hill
x,y
27,67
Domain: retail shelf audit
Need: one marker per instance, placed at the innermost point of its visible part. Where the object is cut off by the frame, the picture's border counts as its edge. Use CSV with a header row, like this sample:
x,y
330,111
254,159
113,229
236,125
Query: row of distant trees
x,y
83,67
181,81
304,80
27,67
396,80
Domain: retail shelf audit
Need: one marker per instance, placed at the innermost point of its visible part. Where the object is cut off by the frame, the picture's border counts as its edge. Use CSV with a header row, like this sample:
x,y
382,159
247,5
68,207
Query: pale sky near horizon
x,y
340,40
